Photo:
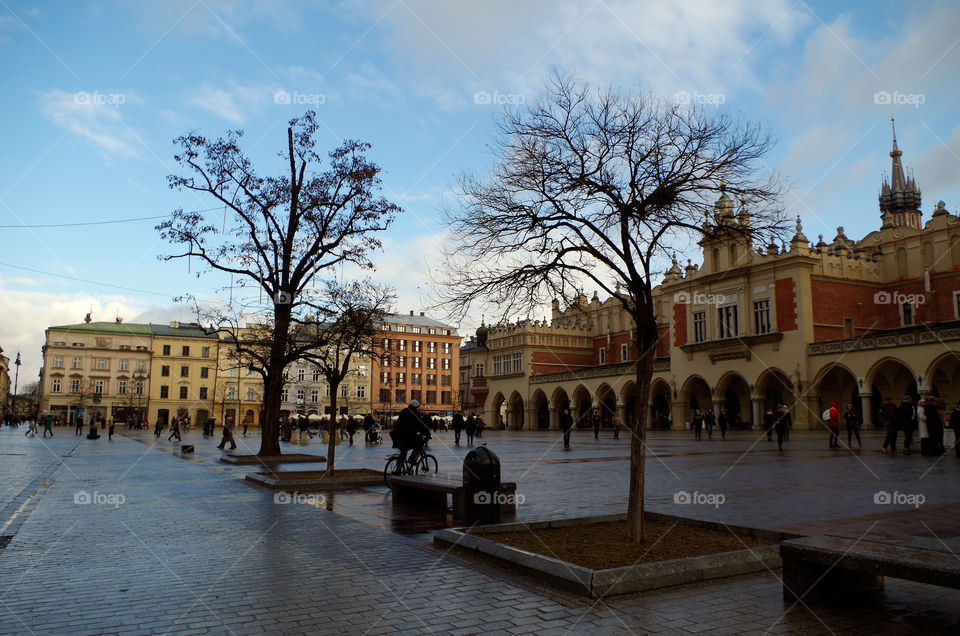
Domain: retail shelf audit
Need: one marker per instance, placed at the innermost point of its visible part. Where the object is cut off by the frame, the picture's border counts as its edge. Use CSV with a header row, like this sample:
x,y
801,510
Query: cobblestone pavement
x,y
128,537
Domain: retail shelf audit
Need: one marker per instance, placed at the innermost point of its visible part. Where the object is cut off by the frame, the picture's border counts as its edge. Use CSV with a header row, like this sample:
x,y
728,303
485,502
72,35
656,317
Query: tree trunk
x,y
334,428
273,385
646,343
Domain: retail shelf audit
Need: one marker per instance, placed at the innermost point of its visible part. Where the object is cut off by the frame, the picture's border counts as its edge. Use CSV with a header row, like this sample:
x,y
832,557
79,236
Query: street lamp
x,y
16,377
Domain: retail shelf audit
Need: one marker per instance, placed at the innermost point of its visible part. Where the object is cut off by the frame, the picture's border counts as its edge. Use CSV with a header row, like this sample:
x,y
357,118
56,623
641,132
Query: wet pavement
x,y
130,537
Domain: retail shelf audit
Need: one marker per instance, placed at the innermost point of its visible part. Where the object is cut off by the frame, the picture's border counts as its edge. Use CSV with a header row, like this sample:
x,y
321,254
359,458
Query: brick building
x,y
752,327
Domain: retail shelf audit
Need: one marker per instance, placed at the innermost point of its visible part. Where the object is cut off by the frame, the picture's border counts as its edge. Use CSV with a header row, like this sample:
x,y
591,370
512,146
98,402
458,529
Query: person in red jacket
x,y
834,423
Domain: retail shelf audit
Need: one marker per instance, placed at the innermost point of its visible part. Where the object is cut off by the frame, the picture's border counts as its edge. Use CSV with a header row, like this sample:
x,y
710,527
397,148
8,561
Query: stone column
x,y
757,404
554,418
867,413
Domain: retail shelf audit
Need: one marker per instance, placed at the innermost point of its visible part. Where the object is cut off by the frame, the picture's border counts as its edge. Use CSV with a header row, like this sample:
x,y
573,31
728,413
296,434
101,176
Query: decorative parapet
x,y
605,371
904,337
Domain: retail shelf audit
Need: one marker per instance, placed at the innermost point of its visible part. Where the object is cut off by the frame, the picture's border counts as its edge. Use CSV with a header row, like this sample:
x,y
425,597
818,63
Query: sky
x,y
94,92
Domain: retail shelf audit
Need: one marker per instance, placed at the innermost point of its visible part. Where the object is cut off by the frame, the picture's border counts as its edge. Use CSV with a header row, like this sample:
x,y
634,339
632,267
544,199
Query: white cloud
x,y
234,103
95,116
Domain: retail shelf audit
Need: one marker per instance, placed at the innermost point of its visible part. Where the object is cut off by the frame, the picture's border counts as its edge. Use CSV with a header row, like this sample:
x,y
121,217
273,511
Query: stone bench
x,y
432,491
831,567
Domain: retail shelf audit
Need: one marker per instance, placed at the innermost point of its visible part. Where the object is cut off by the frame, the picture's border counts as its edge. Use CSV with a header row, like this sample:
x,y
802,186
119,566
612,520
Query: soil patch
x,y
600,546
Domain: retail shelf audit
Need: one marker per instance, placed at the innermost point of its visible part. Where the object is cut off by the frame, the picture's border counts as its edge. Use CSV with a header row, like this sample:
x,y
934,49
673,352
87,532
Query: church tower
x,y
900,196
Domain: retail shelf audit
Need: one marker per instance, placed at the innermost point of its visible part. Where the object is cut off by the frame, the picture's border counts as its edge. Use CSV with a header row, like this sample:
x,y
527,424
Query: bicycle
x,y
418,462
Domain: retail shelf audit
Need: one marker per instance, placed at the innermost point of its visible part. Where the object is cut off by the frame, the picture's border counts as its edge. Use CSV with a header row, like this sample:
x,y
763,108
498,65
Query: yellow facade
x,y
183,373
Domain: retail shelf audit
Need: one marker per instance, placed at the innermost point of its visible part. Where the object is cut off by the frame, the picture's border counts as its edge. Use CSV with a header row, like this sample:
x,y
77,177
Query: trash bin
x,y
481,486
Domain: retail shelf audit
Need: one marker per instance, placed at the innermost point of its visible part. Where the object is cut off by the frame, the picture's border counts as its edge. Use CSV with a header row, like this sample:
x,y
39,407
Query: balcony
x,y
902,337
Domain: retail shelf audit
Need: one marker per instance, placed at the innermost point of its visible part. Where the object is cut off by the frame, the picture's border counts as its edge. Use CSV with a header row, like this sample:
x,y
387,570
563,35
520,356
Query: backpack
x,y
826,415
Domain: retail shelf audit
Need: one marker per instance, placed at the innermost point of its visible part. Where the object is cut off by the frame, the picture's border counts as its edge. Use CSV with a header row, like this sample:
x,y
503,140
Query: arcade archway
x,y
734,393
541,410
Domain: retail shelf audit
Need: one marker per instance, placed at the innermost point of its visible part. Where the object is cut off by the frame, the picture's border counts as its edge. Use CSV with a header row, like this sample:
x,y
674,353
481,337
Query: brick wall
x,y
785,298
679,324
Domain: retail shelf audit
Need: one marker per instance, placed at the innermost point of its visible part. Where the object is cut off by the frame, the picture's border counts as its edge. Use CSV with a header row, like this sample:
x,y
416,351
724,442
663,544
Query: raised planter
x,y
621,580
254,460
307,480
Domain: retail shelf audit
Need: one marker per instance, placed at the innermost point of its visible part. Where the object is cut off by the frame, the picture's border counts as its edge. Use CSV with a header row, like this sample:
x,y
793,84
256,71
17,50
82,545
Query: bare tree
x,y
283,234
349,317
592,187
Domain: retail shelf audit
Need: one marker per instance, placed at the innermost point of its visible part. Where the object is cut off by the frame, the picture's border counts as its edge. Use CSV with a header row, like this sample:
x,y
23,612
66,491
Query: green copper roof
x,y
113,328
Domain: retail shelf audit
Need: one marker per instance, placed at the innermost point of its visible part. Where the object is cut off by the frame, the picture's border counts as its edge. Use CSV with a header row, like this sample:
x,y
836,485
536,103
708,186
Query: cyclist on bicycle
x,y
410,432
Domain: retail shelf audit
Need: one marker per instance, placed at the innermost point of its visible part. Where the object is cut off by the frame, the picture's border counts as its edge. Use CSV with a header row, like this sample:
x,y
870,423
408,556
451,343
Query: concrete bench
x,y
432,491
831,567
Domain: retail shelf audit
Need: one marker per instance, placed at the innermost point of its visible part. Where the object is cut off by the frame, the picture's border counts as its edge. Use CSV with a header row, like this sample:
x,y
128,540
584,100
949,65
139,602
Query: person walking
x,y
158,428
833,423
110,430
175,429
769,419
697,424
79,424
724,422
616,426
782,425
351,429
458,424
227,436
888,417
933,425
566,425
906,421
471,427
955,425
48,425
710,420
596,426
852,420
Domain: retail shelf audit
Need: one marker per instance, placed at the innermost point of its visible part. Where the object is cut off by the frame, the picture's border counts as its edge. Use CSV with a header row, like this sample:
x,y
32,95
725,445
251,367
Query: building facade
x,y
307,392
752,327
416,358
183,372
5,386
98,369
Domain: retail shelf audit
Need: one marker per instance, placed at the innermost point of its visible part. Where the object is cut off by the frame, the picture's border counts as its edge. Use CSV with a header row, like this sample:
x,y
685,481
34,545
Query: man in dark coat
x,y
906,421
566,424
955,425
410,431
888,417
782,424
458,424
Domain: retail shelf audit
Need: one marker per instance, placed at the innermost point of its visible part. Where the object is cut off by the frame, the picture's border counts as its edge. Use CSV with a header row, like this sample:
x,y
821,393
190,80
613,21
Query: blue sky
x,y
94,92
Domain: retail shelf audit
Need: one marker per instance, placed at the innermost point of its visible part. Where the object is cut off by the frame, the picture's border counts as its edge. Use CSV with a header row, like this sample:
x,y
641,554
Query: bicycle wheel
x,y
388,471
426,463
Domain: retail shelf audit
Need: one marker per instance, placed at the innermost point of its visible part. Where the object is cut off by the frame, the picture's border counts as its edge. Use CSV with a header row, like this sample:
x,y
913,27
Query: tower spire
x,y
897,181
900,197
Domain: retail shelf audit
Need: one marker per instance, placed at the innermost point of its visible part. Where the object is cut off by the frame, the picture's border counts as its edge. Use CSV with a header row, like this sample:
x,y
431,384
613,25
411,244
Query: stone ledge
x,y
623,580
315,480
254,460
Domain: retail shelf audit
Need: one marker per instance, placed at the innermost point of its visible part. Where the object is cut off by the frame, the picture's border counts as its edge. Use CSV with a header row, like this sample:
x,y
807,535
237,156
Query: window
x,y
141,365
956,303
699,326
415,363
728,323
416,395
401,345
203,393
385,361
446,332
186,352
315,396
416,346
906,314
446,347
77,363
284,395
362,370
300,395
204,372
386,326
401,378
231,393
384,377
848,330
121,387
326,390
57,362
431,347
124,347
445,364
55,385
361,391
602,355
124,365
74,386
431,378
401,395
205,352
343,390
251,394
431,363
446,380
445,397
401,328
415,378
415,330
98,386
479,370
184,372
165,371
164,392
401,361
316,375
138,388
432,331
183,393
508,363
385,344
101,364
384,395
300,375
761,316
166,350
623,353
431,397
